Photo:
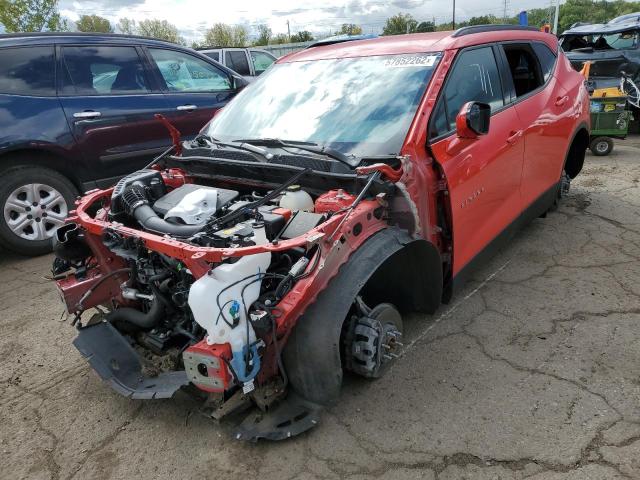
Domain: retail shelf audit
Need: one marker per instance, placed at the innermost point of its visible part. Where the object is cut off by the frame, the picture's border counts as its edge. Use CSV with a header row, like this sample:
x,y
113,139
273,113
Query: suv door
x,y
237,60
543,107
194,88
109,102
483,174
260,61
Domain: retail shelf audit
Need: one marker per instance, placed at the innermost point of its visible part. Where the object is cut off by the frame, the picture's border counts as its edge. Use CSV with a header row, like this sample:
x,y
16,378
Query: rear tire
x,y
601,146
35,201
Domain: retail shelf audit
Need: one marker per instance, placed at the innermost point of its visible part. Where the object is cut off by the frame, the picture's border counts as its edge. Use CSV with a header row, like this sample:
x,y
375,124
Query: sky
x,y
194,17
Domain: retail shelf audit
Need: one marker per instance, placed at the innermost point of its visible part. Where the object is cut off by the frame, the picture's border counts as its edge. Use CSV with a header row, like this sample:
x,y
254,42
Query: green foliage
x,y
425,27
280,39
31,16
303,36
94,23
399,24
127,26
223,35
264,35
350,29
572,11
160,29
483,20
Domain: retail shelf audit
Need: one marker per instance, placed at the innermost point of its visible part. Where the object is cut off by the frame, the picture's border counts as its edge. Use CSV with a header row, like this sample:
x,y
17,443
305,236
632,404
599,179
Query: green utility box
x,y
609,120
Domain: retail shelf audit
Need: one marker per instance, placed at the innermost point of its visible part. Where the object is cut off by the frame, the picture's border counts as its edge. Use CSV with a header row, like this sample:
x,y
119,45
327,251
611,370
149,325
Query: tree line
x,y
43,15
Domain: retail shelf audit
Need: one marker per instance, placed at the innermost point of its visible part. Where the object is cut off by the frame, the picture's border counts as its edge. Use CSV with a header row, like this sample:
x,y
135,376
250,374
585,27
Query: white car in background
x,y
248,62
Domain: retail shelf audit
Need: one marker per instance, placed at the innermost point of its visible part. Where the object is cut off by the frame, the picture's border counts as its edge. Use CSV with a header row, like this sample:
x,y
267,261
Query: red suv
x,y
348,185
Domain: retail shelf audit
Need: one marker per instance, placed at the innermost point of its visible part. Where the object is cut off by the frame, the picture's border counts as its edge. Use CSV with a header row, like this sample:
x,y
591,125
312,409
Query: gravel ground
x,y
531,372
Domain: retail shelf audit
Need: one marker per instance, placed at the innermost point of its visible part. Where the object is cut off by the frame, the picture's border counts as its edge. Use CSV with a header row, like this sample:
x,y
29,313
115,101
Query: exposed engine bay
x,y
199,281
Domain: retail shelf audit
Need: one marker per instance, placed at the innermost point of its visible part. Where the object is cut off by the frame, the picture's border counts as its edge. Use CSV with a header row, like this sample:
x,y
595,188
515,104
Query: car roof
x,y
47,38
630,21
423,43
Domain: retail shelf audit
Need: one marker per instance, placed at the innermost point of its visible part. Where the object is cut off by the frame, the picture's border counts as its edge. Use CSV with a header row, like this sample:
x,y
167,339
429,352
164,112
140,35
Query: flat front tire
x,y
35,202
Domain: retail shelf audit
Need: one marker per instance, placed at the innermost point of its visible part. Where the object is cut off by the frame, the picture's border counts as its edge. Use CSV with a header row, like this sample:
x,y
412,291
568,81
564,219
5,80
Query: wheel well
x,y
575,155
410,279
40,158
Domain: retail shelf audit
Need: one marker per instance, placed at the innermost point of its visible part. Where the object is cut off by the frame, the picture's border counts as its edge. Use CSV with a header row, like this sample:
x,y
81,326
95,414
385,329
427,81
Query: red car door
x,y
543,107
483,174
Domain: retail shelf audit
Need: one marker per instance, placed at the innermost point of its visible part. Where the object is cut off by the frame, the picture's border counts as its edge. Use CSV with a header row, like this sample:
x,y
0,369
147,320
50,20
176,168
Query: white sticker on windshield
x,y
411,61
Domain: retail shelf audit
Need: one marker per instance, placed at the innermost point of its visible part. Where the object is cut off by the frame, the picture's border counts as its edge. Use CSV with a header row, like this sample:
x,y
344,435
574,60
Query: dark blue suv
x,y
77,112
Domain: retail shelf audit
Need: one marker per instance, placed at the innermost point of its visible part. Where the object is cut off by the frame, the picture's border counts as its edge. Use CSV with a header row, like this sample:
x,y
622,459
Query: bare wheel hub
x,y
373,339
35,211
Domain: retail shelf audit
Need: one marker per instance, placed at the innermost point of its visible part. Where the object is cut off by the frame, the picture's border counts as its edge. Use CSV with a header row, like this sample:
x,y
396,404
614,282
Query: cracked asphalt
x,y
533,371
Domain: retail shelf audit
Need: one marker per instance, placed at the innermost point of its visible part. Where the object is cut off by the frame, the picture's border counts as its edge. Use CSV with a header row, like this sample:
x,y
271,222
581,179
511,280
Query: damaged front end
x,y
180,278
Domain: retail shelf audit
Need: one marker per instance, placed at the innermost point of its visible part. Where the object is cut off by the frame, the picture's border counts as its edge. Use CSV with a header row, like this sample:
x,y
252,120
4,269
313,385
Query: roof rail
x,y
461,32
341,39
78,34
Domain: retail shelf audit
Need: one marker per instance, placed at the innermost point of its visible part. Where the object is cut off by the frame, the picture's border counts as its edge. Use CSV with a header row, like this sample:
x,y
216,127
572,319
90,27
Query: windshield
x,y
597,41
357,106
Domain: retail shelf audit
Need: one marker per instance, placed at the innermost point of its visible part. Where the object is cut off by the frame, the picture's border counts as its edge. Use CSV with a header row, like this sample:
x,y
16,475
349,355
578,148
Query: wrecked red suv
x,y
348,185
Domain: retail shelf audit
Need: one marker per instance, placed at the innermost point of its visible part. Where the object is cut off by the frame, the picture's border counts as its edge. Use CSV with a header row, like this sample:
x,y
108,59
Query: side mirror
x,y
473,120
239,83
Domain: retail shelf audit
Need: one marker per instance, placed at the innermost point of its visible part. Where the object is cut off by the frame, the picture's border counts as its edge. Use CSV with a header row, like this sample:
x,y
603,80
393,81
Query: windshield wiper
x,y
246,146
306,146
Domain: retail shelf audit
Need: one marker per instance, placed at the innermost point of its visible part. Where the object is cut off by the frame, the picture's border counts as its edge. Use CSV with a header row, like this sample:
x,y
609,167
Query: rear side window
x,y
103,71
546,58
524,69
27,71
474,78
236,60
213,55
261,61
185,73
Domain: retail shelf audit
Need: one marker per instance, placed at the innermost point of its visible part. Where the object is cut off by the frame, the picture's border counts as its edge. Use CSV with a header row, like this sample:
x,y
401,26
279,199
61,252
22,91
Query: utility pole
x,y
504,11
454,16
288,31
555,20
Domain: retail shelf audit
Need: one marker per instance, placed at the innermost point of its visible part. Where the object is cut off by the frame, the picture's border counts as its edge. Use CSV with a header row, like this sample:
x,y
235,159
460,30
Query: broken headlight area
x,y
175,280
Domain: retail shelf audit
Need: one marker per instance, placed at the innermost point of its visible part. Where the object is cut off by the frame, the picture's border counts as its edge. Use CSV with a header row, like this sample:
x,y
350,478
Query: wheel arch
x,y
27,157
390,258
574,159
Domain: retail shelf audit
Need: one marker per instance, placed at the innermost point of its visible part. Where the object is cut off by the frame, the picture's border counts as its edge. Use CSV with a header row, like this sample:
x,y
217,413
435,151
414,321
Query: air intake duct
x,y
136,204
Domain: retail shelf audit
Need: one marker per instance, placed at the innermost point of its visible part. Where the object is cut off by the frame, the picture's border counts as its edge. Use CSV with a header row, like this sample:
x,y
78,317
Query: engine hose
x,y
150,220
135,317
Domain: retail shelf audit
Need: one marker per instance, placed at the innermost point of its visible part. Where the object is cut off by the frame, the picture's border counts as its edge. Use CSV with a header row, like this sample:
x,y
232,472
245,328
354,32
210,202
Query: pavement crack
x,y
105,442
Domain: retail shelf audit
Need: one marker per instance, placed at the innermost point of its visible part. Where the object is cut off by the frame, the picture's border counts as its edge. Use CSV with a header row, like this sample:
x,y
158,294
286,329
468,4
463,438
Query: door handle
x,y
187,108
87,114
513,137
561,101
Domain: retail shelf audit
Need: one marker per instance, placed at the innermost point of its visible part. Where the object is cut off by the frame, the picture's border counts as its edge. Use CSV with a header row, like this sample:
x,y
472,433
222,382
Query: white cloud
x,y
193,17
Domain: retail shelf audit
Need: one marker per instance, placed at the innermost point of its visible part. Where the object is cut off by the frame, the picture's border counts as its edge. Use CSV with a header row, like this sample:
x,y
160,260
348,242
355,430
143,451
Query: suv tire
x,y
34,202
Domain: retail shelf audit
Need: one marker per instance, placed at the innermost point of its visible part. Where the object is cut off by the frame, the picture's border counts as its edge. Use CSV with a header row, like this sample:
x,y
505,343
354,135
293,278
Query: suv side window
x,y
474,77
261,61
213,55
524,69
237,61
546,58
103,70
27,71
185,73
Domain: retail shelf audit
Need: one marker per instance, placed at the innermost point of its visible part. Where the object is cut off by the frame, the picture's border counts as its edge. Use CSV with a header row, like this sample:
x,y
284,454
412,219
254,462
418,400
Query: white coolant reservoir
x,y
295,199
219,305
